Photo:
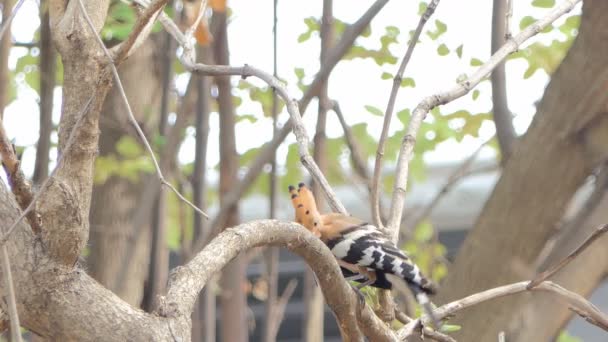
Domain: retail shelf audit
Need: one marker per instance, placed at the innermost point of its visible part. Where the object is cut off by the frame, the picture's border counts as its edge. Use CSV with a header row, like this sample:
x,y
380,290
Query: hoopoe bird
x,y
363,252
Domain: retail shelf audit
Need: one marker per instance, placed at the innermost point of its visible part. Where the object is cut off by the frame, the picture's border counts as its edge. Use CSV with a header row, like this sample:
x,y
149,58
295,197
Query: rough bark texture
x,y
565,141
112,235
233,300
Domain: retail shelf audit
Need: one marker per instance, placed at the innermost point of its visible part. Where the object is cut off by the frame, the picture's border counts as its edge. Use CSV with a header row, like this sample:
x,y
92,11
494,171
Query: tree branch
x,y
187,281
389,113
579,304
20,186
409,140
551,271
503,119
7,22
140,31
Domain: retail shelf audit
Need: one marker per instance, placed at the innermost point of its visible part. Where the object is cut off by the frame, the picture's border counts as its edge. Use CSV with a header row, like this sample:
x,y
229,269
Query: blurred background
x,y
210,135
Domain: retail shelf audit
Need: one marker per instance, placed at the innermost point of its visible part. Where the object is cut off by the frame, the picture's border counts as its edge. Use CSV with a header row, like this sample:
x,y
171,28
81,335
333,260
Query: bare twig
x,y
140,133
7,22
462,88
20,186
462,171
274,321
199,17
389,113
579,304
436,335
551,271
139,32
10,293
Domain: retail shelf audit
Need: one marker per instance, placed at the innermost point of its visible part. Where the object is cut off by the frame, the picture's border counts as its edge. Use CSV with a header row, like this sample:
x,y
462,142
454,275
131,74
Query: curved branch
x,y
187,281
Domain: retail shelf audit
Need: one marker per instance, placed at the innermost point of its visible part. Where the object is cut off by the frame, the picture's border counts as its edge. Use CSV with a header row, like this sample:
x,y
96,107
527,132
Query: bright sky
x,y
353,83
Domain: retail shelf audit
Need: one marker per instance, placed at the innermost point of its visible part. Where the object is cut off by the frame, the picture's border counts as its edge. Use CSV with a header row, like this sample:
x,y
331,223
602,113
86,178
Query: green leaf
x,y
408,82
543,3
424,232
374,111
459,51
476,62
526,21
475,94
128,147
449,328
386,76
422,7
246,117
443,50
440,28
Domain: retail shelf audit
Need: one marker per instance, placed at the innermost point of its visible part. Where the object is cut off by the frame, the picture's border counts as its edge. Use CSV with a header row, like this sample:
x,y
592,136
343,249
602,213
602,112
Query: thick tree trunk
x,y
567,138
113,234
233,318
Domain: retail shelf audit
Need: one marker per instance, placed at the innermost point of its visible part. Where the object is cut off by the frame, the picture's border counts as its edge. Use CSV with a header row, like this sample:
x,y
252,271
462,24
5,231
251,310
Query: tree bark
x,y
567,138
233,319
112,235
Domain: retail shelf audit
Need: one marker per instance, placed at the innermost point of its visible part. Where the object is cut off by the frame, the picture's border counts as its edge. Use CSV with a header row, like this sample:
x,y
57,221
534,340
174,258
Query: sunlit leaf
x,y
373,110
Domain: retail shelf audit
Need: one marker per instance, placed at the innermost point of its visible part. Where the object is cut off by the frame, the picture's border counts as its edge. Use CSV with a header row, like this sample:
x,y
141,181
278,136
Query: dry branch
x,y
578,304
551,271
20,186
140,31
389,113
7,22
462,88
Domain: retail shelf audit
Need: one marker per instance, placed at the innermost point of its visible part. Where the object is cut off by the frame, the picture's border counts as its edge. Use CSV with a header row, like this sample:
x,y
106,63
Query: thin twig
x,y
389,113
44,185
579,304
123,96
139,32
8,20
551,271
457,175
201,13
20,186
279,310
10,292
462,88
